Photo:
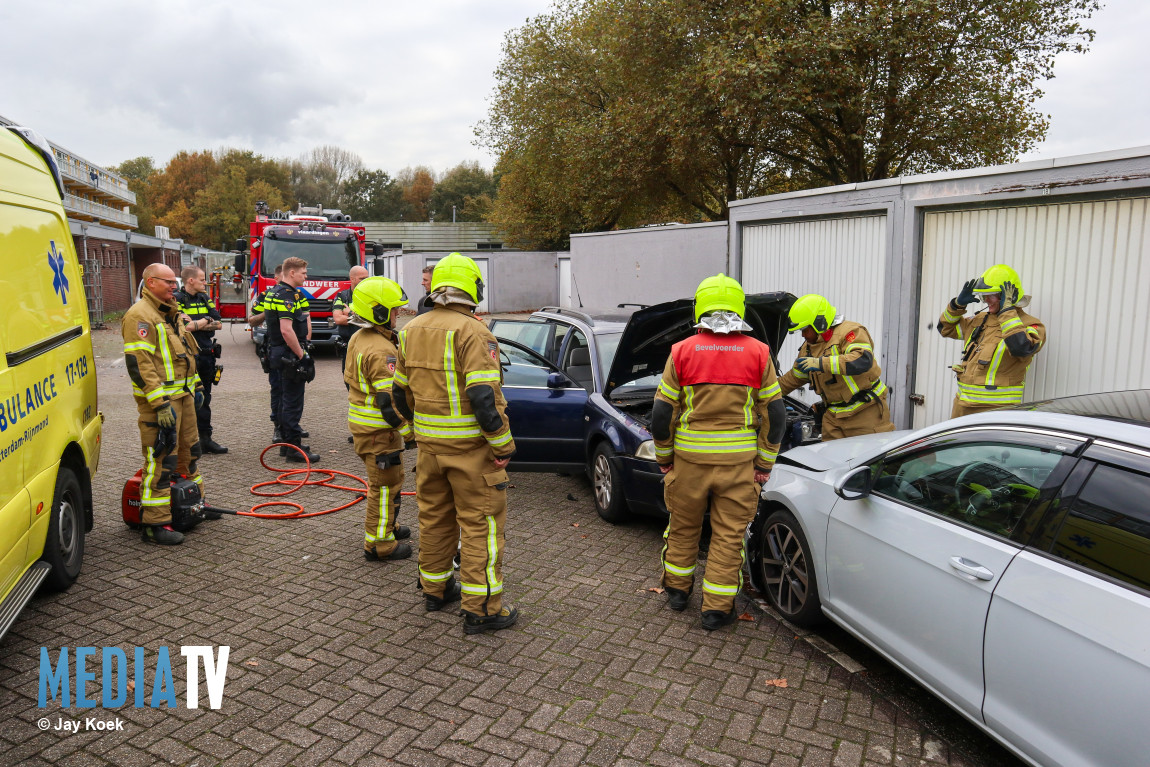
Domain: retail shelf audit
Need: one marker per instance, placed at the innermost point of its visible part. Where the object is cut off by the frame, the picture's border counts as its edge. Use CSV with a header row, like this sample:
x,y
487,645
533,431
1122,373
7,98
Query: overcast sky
x,y
397,83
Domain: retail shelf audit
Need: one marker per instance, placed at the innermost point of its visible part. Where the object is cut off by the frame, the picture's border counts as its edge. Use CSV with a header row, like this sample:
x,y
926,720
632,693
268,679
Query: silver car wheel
x,y
602,481
785,571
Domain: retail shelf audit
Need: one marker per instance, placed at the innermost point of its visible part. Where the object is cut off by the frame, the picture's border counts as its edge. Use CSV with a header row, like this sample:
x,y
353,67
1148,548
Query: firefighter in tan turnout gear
x,y
998,344
717,421
838,361
160,356
377,431
447,384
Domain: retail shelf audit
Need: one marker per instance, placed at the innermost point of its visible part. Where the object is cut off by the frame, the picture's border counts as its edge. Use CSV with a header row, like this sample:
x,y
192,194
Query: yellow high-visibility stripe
x,y
715,588
451,381
770,391
435,577
995,361
667,391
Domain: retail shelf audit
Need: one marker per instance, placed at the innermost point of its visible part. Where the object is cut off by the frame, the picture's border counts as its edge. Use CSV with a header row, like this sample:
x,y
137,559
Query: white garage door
x,y
840,258
1087,266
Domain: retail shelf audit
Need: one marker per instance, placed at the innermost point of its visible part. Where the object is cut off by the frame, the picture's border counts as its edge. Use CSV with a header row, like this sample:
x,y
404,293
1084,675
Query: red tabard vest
x,y
711,358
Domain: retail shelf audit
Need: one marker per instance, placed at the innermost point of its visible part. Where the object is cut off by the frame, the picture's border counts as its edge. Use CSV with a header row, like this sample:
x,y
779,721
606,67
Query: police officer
x,y
341,314
717,421
286,315
204,320
838,361
447,384
379,432
999,343
159,354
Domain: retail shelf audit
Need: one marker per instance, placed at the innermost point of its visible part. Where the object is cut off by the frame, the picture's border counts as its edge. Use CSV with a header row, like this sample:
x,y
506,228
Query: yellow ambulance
x,y
50,426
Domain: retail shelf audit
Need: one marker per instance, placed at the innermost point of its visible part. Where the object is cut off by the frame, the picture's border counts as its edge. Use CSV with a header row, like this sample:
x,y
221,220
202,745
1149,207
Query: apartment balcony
x,y
87,210
92,180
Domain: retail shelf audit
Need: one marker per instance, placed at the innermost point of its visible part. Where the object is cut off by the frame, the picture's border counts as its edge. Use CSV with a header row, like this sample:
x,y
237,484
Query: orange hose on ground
x,y
284,478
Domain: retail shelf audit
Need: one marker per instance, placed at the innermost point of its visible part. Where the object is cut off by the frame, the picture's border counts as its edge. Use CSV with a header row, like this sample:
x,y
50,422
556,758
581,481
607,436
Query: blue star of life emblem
x,y
59,279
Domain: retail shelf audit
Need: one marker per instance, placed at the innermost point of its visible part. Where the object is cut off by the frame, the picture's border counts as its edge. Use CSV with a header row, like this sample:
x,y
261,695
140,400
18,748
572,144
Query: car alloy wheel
x,y
64,545
605,481
787,572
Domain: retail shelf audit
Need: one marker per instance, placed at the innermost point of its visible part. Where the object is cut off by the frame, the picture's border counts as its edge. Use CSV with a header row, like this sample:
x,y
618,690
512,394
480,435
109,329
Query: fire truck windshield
x,y
327,260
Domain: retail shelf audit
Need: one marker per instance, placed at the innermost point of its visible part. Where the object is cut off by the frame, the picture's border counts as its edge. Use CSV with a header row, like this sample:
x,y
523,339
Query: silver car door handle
x,y
971,568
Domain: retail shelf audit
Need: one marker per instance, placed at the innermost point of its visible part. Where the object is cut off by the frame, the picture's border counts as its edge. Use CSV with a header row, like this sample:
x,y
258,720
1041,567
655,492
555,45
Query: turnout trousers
x,y
961,408
731,493
155,485
383,488
462,498
872,419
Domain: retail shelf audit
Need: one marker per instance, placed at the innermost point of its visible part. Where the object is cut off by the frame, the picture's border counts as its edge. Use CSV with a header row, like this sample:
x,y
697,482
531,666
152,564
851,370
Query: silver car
x,y
1002,560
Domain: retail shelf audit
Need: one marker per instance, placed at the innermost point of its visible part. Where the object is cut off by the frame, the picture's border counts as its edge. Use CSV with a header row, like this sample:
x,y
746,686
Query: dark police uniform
x,y
343,301
261,306
285,302
197,307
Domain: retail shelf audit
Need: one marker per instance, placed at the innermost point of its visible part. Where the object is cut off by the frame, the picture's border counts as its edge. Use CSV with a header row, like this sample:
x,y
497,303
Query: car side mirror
x,y
558,381
242,244
855,485
241,264
377,267
377,249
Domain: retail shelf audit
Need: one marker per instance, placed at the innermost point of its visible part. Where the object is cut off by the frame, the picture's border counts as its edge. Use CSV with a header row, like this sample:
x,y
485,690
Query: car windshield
x,y
608,346
329,260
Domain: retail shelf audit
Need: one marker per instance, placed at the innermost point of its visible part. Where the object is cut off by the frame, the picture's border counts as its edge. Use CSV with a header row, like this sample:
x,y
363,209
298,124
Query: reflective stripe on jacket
x,y
162,351
988,373
443,354
371,360
719,387
844,356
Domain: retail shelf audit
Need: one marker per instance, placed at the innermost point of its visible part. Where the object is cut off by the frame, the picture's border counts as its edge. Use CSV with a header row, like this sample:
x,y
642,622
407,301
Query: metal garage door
x,y
1087,265
841,258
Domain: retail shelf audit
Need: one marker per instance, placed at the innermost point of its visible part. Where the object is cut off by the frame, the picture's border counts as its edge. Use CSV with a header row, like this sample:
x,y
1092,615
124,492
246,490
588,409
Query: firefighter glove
x,y
199,395
809,364
966,295
1007,296
166,416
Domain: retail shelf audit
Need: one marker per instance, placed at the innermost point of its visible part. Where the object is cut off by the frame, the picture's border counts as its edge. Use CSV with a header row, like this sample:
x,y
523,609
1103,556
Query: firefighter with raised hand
x,y
159,354
203,320
837,360
998,344
286,312
717,421
378,431
447,384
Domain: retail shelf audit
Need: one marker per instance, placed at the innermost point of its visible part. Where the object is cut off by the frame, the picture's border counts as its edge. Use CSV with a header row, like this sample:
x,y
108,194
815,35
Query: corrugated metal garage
x,y
841,258
1087,266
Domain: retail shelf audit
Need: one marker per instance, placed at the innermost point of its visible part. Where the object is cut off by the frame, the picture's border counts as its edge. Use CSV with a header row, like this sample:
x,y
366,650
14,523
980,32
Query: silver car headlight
x,y
646,451
807,428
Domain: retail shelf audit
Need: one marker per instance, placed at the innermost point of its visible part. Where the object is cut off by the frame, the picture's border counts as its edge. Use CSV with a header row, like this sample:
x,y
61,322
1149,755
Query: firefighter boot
x,y
451,593
401,532
716,619
401,551
677,599
477,624
162,534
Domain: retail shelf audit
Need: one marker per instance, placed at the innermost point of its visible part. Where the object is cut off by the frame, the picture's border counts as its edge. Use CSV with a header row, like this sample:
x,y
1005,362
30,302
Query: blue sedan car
x,y
580,385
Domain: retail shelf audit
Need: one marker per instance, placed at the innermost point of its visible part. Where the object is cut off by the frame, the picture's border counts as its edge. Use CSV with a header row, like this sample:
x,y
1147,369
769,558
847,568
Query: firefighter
x,y
718,419
379,432
838,361
999,342
159,354
204,320
341,311
286,311
447,384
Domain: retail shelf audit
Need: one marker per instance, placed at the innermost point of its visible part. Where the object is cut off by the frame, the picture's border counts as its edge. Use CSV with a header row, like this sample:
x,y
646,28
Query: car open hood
x,y
647,340
824,456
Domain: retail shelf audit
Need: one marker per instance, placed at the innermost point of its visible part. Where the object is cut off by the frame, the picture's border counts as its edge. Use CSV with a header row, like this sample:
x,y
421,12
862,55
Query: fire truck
x,y
327,239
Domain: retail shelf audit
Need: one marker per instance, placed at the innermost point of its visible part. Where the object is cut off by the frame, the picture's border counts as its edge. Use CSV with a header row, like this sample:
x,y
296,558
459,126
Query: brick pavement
x,y
334,661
